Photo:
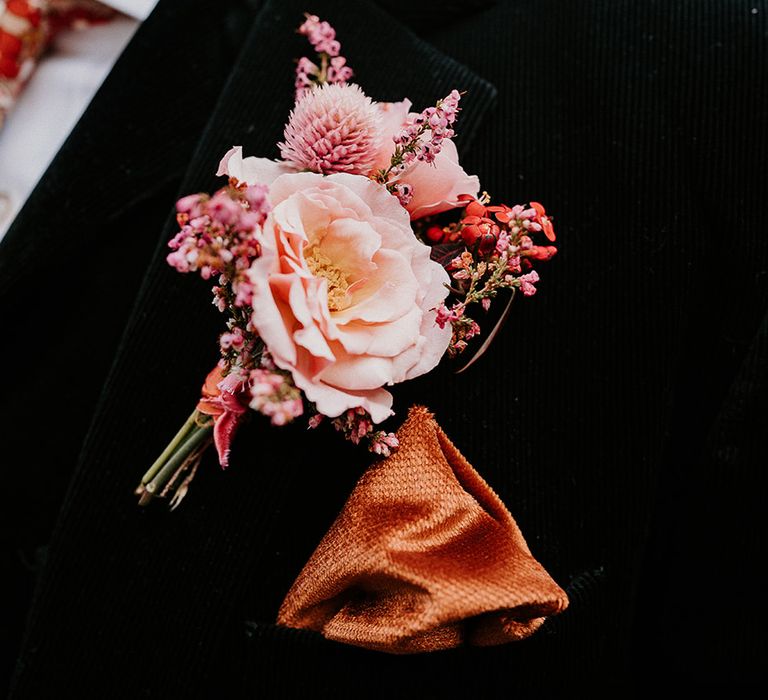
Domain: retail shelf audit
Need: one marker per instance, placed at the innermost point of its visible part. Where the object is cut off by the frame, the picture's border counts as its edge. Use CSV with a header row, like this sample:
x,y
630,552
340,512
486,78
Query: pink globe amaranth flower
x,y
332,129
343,293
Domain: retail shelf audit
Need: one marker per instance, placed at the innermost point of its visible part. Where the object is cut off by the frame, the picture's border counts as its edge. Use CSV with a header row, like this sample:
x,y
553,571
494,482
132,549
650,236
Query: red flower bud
x,y
8,69
435,234
475,228
541,252
487,243
10,45
475,209
470,234
25,10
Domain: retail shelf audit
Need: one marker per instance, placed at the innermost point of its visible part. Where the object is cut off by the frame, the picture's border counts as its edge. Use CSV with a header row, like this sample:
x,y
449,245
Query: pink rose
x,y
344,294
436,187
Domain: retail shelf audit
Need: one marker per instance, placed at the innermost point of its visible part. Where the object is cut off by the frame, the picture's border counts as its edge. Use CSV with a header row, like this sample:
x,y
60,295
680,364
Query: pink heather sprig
x,y
274,395
404,192
218,238
333,66
217,232
383,444
321,35
357,426
498,247
421,139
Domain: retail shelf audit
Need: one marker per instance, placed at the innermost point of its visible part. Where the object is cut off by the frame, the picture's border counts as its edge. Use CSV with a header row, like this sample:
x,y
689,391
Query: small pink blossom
x,y
321,35
461,275
233,339
404,193
282,412
191,204
384,444
334,68
355,423
243,292
275,396
338,71
306,76
472,331
357,427
527,281
446,316
462,266
502,243
218,232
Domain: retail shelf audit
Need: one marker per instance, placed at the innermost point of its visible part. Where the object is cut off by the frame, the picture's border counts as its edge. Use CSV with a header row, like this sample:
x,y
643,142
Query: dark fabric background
x,y
620,414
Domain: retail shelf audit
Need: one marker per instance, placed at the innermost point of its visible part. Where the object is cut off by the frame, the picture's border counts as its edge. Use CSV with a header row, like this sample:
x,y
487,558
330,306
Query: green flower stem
x,y
171,448
322,77
193,458
198,435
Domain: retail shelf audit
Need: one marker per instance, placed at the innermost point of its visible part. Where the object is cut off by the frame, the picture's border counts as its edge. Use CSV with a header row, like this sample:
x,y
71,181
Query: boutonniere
x,y
359,260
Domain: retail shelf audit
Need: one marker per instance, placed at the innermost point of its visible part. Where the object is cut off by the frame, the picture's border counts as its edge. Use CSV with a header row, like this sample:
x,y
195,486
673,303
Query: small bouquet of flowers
x,y
350,265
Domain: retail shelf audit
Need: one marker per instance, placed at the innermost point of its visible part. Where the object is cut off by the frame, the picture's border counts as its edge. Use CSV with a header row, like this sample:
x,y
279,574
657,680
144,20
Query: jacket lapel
x,y
190,579
76,254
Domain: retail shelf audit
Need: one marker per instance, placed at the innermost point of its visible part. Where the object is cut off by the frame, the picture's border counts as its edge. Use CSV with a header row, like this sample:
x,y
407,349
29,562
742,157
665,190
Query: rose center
x,y
322,266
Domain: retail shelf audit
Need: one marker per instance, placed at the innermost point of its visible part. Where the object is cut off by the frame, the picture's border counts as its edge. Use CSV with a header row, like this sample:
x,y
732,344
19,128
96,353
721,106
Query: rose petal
x,y
436,187
343,359
389,291
251,170
361,339
357,372
331,401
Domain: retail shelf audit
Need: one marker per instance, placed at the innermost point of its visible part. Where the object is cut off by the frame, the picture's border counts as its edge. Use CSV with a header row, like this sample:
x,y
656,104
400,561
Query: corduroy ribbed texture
x,y
75,257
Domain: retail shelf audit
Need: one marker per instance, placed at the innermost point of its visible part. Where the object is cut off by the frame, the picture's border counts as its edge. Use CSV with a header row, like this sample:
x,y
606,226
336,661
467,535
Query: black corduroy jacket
x,y
620,414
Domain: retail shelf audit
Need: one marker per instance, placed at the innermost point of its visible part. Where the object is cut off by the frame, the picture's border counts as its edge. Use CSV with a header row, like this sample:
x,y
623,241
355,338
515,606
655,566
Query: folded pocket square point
x,y
424,556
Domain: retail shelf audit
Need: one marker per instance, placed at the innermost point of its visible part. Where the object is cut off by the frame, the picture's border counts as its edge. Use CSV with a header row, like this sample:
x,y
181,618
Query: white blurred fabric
x,y
63,84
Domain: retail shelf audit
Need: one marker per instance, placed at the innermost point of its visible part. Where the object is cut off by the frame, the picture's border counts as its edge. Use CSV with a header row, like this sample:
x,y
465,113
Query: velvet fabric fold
x,y
424,556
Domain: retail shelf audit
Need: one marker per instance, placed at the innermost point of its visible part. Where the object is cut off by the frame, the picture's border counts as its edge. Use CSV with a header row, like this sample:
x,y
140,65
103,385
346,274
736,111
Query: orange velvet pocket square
x,y
424,556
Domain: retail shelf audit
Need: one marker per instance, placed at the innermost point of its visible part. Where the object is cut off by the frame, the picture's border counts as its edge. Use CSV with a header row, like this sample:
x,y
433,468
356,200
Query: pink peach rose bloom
x,y
344,293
